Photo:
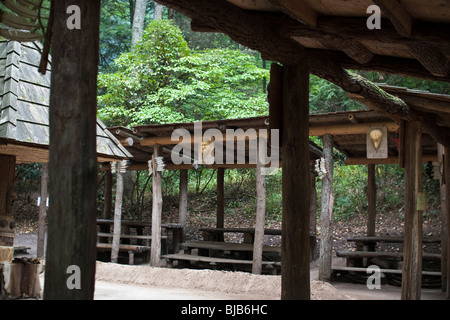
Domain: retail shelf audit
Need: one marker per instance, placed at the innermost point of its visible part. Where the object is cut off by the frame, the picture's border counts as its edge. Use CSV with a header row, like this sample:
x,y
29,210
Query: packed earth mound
x,y
265,287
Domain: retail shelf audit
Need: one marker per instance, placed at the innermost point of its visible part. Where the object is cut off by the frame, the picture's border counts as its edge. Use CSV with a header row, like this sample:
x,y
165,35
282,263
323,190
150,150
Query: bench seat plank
x,y
397,271
123,247
378,254
227,246
182,256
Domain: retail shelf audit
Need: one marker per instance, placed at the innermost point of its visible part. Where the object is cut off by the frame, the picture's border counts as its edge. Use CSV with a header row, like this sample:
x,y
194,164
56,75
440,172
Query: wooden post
x,y
414,206
220,213
326,213
313,219
444,234
447,208
182,204
260,217
117,216
371,200
42,222
155,252
7,197
71,239
107,210
295,282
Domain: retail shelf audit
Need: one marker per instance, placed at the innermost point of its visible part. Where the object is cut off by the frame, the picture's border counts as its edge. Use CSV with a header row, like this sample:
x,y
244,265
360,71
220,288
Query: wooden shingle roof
x,y
24,108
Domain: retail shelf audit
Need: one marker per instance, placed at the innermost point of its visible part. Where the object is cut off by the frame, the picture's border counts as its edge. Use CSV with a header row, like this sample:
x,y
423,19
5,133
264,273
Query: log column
x,y
182,204
72,213
447,208
326,213
260,217
295,180
220,213
7,197
155,253
414,206
372,203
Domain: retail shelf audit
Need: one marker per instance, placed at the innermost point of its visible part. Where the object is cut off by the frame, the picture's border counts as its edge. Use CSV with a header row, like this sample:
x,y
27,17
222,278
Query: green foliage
x,y
326,97
162,81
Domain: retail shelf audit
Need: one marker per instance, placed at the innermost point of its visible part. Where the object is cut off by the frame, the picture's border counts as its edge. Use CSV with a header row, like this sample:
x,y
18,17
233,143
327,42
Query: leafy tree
x,y
163,81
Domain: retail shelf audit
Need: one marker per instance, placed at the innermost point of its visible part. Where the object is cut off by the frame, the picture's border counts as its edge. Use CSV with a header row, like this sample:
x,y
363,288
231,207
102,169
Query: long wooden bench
x,y
130,248
170,258
227,246
383,270
379,254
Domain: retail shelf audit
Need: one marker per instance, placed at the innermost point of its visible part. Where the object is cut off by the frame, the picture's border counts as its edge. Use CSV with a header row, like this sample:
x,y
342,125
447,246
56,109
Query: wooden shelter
x,y
408,37
24,123
146,142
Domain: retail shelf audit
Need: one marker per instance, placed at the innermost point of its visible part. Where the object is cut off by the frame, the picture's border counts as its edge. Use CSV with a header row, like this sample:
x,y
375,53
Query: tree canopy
x,y
161,80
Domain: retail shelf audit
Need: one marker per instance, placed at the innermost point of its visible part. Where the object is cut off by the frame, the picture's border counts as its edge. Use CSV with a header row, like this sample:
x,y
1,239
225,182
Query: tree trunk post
x,y
414,206
138,21
7,198
371,200
313,219
295,254
117,216
182,204
444,234
155,253
260,216
220,213
71,240
326,213
42,222
447,208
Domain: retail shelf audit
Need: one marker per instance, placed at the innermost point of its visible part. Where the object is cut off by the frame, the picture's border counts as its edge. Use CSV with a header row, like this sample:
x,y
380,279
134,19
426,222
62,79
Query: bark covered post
x,y
414,207
182,203
447,208
117,229
71,245
42,222
295,254
155,252
220,213
7,198
326,213
260,216
371,200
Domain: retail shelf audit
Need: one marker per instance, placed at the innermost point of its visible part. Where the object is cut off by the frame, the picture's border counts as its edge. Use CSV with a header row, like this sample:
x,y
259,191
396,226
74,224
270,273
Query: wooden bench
x,y
379,254
131,249
170,258
139,237
383,270
227,246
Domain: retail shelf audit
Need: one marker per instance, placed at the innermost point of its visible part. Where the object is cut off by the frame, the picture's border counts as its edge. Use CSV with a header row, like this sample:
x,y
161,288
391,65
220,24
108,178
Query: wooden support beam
x,y
352,48
431,58
444,233
447,208
390,160
371,200
399,17
42,222
220,209
326,213
117,230
7,198
155,252
350,128
260,217
72,228
182,203
299,10
295,283
414,207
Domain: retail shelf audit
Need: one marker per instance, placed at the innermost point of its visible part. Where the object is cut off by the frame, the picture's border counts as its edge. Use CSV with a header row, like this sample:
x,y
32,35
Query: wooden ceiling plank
x,y
399,17
299,10
431,58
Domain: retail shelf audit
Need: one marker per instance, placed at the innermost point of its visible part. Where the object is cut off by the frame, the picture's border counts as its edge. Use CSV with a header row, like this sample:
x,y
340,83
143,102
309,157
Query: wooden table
x,y
175,228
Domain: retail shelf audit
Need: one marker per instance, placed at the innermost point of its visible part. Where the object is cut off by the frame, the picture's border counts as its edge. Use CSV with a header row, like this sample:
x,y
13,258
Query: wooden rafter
x,y
299,10
399,17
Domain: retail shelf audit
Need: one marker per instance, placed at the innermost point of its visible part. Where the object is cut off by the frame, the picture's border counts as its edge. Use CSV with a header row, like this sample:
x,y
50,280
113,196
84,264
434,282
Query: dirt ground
x,y
141,282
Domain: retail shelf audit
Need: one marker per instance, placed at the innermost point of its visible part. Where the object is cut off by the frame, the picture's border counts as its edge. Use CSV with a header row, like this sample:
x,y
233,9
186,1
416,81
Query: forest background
x,y
154,69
